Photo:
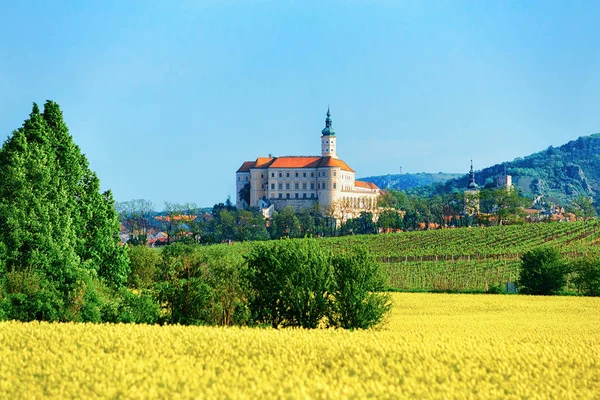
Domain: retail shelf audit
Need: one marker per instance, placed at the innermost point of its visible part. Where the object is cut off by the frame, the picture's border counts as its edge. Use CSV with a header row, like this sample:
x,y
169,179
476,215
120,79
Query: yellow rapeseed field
x,y
432,346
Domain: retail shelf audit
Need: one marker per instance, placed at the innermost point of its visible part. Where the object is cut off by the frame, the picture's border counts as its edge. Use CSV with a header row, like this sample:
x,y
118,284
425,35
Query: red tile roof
x,y
246,166
365,185
294,162
334,162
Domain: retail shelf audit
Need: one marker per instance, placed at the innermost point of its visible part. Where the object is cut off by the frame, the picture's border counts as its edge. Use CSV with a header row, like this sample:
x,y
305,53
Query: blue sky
x,y
167,99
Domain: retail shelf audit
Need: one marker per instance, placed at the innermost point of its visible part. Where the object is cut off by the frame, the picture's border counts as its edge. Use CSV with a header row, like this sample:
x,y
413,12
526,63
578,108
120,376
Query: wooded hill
x,y
556,175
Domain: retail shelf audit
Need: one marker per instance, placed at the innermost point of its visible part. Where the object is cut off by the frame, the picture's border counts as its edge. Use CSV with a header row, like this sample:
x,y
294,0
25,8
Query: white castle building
x,y
302,182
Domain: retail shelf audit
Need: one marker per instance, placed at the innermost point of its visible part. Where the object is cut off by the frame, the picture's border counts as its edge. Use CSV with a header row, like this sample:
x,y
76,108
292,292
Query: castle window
x,y
312,186
280,196
272,174
312,174
261,175
334,185
297,195
304,195
304,186
280,175
280,186
287,186
304,174
334,173
287,174
287,195
312,195
296,174
263,186
272,186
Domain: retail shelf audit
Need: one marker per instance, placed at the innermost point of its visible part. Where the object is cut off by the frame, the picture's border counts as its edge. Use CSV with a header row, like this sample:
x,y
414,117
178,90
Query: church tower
x,y
472,194
328,139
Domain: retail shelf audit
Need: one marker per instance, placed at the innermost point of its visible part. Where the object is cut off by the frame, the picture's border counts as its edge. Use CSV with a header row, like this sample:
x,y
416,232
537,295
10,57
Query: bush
x,y
290,280
353,303
543,272
29,297
139,308
587,275
144,266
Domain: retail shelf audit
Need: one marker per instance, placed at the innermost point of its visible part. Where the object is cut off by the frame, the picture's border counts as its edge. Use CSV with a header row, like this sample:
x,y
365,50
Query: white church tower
x,y
328,139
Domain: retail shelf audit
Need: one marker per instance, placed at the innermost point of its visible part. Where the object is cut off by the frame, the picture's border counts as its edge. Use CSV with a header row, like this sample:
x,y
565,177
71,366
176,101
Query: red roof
x,y
294,162
366,185
246,166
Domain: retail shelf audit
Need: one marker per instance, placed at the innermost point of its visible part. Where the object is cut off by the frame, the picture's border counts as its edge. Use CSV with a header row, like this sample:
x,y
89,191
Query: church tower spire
x,y
328,139
472,184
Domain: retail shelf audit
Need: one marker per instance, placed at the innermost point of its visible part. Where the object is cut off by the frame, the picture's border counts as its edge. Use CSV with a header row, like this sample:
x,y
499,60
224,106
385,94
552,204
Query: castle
x,y
271,183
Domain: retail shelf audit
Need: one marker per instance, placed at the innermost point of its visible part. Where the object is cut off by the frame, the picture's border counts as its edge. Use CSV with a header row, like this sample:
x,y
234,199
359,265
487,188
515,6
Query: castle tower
x,y
328,138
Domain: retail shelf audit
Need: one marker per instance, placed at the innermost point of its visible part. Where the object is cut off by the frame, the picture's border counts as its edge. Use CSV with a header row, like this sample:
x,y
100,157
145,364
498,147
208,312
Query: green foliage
x,y
543,272
56,229
587,275
140,308
144,266
199,285
353,302
286,224
290,280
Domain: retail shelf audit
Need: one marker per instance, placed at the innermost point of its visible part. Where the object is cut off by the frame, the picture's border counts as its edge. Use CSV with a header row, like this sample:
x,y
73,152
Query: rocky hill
x,y
555,175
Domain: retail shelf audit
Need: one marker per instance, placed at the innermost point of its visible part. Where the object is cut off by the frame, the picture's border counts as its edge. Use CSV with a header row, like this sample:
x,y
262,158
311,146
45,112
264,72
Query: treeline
x,y
401,212
281,283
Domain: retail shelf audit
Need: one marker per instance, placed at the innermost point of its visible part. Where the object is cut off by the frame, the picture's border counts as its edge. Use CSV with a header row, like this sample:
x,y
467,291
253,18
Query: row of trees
x,y
401,211
279,284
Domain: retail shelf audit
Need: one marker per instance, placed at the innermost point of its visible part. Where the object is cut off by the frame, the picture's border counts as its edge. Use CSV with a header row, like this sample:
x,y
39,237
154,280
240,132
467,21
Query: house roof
x,y
365,185
294,162
246,166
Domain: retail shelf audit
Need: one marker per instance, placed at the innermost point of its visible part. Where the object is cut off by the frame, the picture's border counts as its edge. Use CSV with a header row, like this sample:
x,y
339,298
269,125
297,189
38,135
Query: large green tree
x,y
55,224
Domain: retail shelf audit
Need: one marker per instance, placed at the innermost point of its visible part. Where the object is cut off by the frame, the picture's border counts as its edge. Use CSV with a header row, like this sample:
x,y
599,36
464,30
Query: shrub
x,y
290,280
144,266
139,308
28,297
354,303
587,275
543,272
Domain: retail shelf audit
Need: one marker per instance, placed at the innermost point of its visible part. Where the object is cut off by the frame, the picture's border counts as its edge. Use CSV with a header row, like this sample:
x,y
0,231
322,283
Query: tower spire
x,y
472,184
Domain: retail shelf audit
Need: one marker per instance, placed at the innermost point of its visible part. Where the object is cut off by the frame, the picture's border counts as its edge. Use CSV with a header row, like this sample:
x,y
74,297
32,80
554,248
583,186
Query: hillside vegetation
x,y
409,181
557,174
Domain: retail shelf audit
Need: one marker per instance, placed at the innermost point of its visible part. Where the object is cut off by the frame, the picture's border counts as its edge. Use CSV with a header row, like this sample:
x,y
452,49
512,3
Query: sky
x,y
168,98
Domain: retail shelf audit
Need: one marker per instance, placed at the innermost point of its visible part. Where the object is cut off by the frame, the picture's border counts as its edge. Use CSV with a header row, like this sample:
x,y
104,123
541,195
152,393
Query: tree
x,y
290,280
354,302
583,208
55,224
285,223
136,216
543,271
587,275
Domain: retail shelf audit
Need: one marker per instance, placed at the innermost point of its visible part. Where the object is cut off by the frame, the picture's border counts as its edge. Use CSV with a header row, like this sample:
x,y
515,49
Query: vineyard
x,y
465,259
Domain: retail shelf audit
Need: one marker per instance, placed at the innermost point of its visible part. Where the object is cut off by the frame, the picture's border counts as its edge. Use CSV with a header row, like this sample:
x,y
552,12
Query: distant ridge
x,y
555,175
409,181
